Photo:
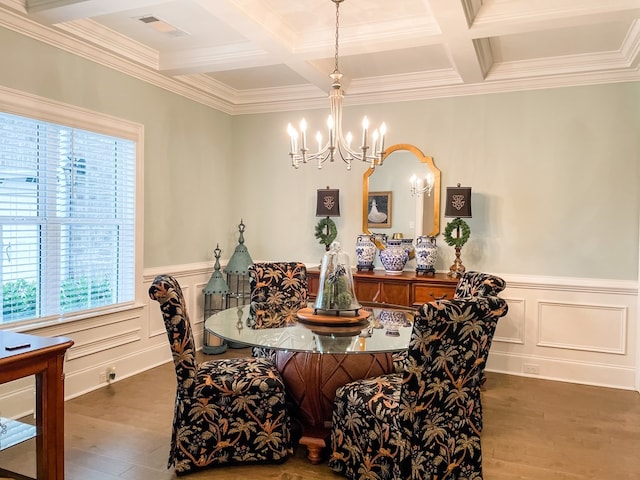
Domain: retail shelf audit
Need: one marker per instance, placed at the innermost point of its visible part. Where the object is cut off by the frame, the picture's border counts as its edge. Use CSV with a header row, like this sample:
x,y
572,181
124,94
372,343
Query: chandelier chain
x,y
336,70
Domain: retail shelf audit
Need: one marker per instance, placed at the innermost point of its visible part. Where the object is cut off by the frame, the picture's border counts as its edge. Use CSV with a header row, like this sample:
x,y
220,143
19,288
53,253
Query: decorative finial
x,y
241,230
216,254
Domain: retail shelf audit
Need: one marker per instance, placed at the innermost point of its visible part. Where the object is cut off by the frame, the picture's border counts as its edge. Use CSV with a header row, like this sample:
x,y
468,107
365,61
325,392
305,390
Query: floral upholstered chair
x,y
473,284
419,425
278,291
226,411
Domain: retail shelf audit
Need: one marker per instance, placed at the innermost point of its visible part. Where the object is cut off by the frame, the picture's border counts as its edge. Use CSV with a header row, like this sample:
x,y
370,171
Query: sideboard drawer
x,y
313,282
423,292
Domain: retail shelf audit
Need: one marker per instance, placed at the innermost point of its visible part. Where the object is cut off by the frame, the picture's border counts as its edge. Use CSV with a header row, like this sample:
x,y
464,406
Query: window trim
x,y
33,106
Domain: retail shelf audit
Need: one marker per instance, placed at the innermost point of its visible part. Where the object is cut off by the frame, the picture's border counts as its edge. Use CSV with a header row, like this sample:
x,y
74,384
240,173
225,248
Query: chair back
x,y
278,291
447,354
473,284
166,290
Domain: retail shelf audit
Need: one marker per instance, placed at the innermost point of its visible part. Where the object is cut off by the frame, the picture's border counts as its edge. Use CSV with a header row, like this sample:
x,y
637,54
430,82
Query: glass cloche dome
x,y
336,293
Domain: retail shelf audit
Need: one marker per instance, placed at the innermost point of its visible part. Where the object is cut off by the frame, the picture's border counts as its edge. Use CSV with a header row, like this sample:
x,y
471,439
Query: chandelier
x,y
420,186
337,144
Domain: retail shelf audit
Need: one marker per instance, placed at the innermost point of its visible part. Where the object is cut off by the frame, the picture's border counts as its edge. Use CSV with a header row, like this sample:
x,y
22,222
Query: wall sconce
x,y
458,205
420,186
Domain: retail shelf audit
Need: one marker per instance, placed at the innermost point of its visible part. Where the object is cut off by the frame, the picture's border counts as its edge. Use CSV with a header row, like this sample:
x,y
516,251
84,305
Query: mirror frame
x,y
435,192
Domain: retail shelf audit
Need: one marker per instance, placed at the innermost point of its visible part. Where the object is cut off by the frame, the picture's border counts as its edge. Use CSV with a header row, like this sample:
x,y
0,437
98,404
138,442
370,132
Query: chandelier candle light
x,y
338,145
420,186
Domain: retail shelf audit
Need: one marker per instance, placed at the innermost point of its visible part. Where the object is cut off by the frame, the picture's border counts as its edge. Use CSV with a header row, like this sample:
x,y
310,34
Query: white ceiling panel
x,y
244,56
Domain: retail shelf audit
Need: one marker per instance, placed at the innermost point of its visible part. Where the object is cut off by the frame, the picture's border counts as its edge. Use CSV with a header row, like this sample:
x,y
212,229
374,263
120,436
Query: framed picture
x,y
379,213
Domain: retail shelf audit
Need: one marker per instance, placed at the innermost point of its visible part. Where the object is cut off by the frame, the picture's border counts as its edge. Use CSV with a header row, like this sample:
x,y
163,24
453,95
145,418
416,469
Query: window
x,y
67,219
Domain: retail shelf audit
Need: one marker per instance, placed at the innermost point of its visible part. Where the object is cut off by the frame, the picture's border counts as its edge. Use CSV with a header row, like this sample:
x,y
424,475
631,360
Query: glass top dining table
x,y
387,329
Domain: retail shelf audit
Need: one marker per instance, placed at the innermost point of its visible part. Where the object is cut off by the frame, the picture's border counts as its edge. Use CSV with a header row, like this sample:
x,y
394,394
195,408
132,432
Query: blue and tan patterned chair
x,y
419,425
478,284
474,284
471,284
277,291
227,411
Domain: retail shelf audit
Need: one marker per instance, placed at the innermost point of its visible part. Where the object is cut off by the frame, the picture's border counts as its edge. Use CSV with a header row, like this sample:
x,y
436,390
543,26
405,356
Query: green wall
x,y
555,173
187,145
555,178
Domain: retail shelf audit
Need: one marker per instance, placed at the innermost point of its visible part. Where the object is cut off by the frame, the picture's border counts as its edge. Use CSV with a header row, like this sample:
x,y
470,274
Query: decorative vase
x,y
392,320
394,257
380,239
426,254
407,244
365,252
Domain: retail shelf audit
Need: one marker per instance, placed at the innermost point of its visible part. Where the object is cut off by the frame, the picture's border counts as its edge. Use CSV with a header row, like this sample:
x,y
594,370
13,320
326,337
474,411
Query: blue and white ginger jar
x,y
365,251
394,257
426,254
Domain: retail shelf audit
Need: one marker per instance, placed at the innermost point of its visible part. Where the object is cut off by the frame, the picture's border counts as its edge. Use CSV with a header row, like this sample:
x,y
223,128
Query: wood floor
x,y
534,430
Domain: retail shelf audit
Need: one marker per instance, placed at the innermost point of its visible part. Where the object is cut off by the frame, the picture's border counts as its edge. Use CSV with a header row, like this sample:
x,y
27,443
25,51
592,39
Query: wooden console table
x,y
406,289
24,355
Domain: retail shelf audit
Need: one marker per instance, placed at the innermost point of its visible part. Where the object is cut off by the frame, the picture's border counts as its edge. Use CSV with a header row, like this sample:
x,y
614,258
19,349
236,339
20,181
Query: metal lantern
x,y
215,299
237,271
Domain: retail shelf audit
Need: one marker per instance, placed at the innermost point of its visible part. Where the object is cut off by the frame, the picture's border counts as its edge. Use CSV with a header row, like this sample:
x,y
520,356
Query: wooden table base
x,y
312,379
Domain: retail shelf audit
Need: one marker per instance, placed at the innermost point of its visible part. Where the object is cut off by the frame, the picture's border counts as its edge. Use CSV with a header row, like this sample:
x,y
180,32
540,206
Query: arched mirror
x,y
386,192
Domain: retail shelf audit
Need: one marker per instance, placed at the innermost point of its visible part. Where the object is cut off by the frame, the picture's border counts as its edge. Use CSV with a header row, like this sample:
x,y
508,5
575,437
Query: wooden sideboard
x,y
406,289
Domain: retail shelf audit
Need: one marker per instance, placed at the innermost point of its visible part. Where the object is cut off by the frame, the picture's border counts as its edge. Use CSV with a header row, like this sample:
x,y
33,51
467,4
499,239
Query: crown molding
x,y
93,33
86,39
95,53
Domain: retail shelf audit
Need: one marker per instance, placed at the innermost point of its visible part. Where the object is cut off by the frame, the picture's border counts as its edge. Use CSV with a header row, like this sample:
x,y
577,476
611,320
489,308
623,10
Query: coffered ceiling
x,y
246,56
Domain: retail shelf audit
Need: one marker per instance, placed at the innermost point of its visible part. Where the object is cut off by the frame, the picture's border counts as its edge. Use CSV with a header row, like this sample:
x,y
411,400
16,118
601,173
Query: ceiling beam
x,y
470,57
266,31
518,16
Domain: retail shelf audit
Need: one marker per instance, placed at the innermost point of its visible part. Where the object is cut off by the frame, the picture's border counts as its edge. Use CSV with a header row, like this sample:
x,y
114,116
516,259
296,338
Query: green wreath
x,y
465,231
326,231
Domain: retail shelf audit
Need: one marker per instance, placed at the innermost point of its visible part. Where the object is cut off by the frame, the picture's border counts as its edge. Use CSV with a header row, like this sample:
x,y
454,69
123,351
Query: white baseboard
x,y
586,373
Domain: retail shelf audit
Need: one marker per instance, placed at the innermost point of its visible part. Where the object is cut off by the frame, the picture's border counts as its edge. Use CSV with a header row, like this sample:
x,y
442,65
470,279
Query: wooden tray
x,y
306,315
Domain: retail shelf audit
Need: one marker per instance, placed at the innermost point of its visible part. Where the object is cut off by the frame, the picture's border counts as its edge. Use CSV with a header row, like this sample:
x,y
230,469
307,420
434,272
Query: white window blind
x,y
67,219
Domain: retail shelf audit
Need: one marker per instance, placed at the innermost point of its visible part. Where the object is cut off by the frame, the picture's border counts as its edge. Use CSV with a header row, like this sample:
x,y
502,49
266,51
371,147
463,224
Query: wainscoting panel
x,y
155,321
573,330
17,398
97,345
197,319
592,328
132,339
510,328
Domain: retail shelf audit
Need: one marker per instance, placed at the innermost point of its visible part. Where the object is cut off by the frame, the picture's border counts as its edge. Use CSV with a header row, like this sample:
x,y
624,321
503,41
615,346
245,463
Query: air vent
x,y
161,26
149,19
